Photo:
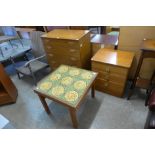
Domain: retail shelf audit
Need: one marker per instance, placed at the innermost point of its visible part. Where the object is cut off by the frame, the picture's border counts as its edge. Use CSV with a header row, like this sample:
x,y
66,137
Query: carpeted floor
x,y
105,111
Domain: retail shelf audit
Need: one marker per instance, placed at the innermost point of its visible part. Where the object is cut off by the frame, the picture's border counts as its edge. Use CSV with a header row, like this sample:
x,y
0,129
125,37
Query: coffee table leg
x,y
43,101
93,91
73,117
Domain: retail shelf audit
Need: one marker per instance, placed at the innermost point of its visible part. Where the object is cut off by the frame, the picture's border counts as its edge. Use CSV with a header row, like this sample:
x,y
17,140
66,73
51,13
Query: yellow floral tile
x,y
54,77
45,86
74,72
66,80
63,69
57,91
71,96
86,75
80,85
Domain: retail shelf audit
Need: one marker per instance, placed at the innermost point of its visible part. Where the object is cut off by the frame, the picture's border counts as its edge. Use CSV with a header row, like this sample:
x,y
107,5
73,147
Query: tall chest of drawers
x,y
70,47
113,68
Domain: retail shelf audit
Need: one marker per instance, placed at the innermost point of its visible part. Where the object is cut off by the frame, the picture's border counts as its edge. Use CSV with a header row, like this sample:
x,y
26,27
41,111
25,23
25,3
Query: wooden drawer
x,y
62,43
61,50
73,52
74,62
4,97
63,56
109,87
116,78
109,68
66,44
57,56
55,60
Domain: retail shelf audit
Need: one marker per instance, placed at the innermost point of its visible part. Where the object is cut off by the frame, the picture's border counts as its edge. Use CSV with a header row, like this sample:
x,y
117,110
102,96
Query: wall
x,y
130,39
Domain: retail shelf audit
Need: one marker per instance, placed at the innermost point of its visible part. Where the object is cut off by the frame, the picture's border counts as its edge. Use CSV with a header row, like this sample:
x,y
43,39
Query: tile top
x,y
67,84
65,34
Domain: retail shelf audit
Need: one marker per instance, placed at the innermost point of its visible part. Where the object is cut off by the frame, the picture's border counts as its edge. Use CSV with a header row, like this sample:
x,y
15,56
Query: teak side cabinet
x,y
8,91
113,67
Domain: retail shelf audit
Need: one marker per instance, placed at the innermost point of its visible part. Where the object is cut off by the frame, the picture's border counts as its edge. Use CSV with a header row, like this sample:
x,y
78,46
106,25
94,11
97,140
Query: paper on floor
x,y
3,121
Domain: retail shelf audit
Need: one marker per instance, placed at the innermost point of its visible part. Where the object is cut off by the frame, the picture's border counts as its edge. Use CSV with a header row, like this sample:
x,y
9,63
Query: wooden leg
x,y
73,117
42,99
93,91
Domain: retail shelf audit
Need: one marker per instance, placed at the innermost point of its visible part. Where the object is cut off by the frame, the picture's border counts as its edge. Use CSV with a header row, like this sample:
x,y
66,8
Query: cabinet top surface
x,y
105,39
66,34
113,57
148,44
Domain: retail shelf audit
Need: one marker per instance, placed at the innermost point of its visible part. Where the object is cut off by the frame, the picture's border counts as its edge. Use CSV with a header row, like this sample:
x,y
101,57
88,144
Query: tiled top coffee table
x,y
66,85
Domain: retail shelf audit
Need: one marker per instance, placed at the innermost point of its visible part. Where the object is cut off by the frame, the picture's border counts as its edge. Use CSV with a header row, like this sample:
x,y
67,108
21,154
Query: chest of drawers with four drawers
x,y
70,47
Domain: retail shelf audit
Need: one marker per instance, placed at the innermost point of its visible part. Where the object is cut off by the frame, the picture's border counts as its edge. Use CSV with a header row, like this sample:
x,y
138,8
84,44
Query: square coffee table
x,y
68,86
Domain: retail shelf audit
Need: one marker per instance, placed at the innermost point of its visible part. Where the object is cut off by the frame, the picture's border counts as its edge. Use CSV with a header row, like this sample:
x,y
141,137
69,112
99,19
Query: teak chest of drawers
x,y
113,67
70,47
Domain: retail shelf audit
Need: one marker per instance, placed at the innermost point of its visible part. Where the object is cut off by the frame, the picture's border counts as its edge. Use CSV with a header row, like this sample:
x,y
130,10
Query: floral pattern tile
x,y
67,84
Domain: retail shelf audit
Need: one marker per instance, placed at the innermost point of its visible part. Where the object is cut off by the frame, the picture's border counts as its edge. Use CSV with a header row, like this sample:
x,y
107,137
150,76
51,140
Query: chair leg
x,y
18,74
1,52
32,74
131,89
25,57
34,80
130,94
21,42
10,43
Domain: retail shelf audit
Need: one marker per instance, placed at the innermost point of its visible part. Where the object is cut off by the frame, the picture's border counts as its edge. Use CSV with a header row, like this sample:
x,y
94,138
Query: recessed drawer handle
x,y
106,84
50,55
53,62
107,70
49,47
72,50
74,59
107,77
70,42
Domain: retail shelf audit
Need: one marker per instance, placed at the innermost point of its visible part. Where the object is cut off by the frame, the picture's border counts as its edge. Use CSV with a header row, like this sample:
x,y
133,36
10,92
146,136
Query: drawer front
x,y
55,60
61,43
64,47
62,51
109,87
109,68
63,58
116,78
57,57
66,44
74,62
